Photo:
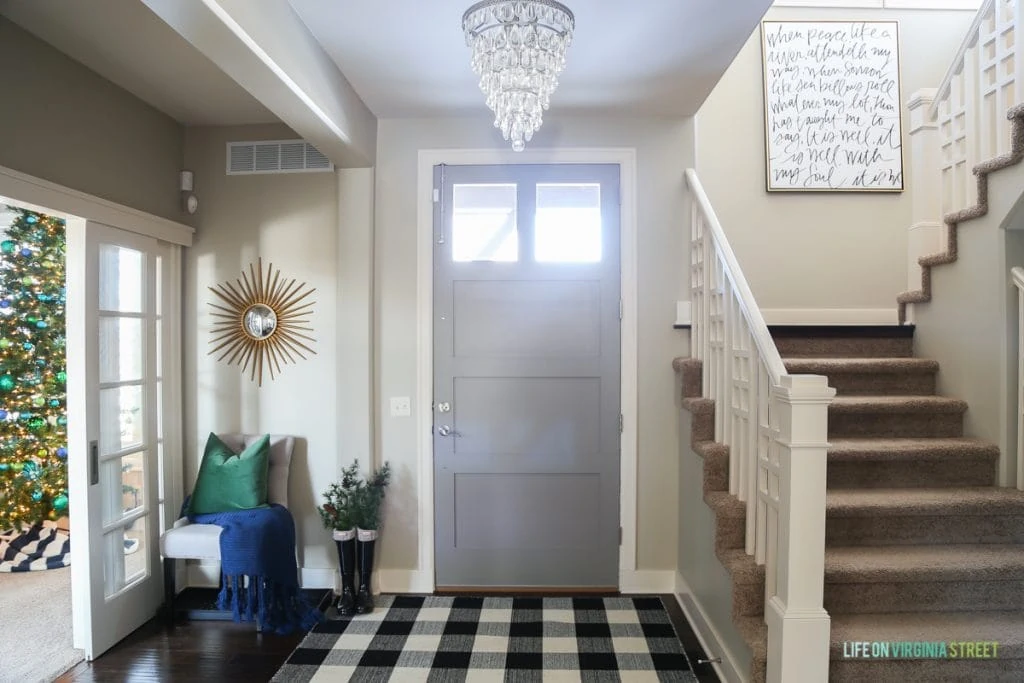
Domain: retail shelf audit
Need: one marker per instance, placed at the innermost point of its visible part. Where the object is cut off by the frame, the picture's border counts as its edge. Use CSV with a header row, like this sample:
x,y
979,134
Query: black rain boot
x,y
364,599
346,542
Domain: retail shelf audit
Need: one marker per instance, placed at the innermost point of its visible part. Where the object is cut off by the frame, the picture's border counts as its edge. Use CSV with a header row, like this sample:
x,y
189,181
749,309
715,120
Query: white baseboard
x,y
647,581
319,577
708,636
831,316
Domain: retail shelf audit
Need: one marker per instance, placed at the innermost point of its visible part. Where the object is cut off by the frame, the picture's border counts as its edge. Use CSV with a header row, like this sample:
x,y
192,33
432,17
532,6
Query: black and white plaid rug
x,y
415,638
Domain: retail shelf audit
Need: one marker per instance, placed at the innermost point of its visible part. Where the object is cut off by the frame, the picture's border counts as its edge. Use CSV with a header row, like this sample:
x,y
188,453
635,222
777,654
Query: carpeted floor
x,y
418,638
35,637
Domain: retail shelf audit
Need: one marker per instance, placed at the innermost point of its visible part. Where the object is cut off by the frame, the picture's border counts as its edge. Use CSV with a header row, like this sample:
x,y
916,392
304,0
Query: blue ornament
x,y
4,467
30,470
27,346
43,297
37,495
5,303
31,219
42,325
3,414
26,252
62,452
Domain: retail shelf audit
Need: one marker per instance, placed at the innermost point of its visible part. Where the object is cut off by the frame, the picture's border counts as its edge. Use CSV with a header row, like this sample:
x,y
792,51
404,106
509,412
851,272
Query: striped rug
x,y
417,638
39,547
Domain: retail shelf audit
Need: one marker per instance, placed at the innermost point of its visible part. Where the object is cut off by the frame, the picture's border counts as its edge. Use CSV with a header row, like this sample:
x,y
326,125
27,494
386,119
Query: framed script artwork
x,y
832,106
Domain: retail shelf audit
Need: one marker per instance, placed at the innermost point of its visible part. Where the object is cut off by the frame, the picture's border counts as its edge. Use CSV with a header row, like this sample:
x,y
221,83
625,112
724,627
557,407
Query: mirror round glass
x,y
259,321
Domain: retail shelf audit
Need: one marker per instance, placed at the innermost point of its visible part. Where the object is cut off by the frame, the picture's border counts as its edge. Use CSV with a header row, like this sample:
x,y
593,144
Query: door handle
x,y
445,430
94,463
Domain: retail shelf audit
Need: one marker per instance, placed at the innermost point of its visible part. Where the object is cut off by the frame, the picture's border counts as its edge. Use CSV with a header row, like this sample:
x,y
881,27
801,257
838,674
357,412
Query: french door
x,y
117,301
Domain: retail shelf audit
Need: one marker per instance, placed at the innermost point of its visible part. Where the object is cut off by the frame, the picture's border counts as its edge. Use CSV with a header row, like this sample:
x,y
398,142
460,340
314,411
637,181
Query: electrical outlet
x,y
401,406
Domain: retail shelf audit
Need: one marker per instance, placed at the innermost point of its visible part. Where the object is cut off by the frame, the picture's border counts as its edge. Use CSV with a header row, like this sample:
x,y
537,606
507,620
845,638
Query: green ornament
x,y
5,343
62,377
60,503
38,401
27,280
36,423
8,246
6,383
17,466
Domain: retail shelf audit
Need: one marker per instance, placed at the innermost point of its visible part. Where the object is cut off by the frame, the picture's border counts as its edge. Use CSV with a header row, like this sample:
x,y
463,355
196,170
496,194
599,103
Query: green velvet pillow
x,y
231,481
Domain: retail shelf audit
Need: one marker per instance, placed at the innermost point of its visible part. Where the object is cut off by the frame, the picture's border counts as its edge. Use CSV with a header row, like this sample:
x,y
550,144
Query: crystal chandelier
x,y
518,51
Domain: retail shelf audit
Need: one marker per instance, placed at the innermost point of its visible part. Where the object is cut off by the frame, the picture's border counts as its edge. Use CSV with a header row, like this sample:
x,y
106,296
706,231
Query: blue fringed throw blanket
x,y
259,546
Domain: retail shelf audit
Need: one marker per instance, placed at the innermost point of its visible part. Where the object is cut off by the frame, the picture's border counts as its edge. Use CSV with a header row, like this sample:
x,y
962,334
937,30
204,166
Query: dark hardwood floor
x,y
215,651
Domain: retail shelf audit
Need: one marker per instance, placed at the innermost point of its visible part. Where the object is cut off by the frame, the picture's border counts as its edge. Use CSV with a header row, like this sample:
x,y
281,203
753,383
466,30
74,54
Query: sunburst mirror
x,y
263,321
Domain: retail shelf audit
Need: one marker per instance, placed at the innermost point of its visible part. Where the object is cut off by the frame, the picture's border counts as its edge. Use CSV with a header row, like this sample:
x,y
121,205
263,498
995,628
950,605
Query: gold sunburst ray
x,y
261,319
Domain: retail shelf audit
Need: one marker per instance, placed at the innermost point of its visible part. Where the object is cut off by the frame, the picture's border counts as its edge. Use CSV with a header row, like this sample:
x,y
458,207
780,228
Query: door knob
x,y
445,430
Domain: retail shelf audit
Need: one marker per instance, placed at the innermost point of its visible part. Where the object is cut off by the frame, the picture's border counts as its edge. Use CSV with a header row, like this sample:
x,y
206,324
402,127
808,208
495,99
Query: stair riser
x,y
716,473
924,530
930,596
730,533
1001,670
910,474
894,424
823,347
882,384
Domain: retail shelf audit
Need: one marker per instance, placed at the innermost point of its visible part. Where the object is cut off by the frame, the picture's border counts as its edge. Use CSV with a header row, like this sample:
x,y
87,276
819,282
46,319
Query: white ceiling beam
x,y
266,49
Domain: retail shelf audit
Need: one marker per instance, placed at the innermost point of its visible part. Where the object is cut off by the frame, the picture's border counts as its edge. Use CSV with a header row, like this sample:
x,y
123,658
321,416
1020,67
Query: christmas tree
x,y
33,421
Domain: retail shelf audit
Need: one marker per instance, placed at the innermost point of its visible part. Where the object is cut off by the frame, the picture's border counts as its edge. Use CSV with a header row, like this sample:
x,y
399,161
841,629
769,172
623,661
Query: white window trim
x,y
52,197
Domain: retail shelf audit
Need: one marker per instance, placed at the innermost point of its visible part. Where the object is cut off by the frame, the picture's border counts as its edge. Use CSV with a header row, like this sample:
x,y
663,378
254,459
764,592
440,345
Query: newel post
x,y
925,184
798,625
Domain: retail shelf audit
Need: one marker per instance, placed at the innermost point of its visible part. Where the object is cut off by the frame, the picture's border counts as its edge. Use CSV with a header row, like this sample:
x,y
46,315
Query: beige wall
x,y
664,150
290,220
64,123
814,250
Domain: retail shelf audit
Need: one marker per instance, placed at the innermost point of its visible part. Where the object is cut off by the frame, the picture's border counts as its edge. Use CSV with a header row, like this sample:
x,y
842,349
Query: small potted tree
x,y
367,516
339,515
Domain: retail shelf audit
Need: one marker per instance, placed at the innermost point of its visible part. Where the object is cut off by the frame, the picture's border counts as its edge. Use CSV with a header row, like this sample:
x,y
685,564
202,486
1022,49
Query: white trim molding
x,y
883,4
642,581
625,158
830,316
51,197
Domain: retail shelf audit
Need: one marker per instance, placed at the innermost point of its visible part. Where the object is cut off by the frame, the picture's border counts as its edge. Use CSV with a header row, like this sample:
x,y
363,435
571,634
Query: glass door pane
x,y
126,318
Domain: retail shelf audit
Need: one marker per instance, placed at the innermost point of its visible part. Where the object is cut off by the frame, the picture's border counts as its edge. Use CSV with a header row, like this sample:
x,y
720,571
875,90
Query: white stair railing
x,y
971,103
776,427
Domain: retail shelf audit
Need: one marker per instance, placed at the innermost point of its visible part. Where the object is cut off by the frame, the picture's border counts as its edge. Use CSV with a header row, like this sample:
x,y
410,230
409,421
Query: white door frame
x,y
76,207
422,579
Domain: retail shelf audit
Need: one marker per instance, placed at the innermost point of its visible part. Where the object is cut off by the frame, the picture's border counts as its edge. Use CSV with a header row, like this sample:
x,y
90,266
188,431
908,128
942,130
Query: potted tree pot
x,y
338,515
367,514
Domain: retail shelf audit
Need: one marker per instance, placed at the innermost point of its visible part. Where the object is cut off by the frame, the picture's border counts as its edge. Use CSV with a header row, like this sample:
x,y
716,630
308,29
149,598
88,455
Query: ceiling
x,y
653,57
123,41
408,58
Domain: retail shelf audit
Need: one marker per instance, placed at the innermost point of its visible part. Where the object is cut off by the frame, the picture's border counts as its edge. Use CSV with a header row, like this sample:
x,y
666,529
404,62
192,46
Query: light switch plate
x,y
401,406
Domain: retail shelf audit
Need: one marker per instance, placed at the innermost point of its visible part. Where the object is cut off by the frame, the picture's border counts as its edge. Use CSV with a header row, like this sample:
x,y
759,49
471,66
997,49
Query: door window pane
x,y
124,487
120,349
125,558
120,279
121,418
568,224
484,223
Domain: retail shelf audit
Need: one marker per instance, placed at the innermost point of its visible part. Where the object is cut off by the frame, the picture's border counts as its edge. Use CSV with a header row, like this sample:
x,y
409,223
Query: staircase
x,y
920,543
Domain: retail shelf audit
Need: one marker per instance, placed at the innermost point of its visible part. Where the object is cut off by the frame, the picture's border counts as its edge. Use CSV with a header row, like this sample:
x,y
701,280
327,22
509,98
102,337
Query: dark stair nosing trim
x,y
844,331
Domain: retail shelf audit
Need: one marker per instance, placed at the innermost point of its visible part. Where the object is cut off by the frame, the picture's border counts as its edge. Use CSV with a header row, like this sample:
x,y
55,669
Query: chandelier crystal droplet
x,y
518,52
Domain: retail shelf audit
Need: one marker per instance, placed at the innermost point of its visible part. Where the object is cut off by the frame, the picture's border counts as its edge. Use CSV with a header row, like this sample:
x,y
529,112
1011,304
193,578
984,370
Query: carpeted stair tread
x,y
742,567
823,366
850,405
724,504
1006,628
923,449
981,500
933,563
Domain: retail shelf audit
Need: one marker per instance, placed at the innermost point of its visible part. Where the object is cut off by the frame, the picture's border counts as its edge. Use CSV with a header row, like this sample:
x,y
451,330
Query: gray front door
x,y
526,376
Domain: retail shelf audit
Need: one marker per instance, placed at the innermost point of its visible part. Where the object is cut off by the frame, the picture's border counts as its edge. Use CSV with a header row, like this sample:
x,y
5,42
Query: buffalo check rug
x,y
417,638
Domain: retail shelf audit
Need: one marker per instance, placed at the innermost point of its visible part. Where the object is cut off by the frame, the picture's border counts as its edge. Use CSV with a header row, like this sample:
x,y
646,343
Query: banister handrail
x,y
957,65
758,328
1018,276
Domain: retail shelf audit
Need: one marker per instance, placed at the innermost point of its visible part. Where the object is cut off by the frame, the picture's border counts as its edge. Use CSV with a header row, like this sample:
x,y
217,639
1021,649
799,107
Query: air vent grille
x,y
275,156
